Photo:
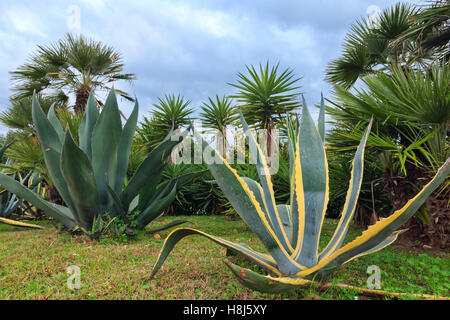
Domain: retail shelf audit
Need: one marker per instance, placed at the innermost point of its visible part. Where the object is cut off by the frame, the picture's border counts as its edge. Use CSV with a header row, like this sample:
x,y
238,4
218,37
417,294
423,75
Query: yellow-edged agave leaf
x,y
264,261
351,198
297,200
314,176
271,284
380,231
267,187
19,224
383,244
244,200
255,281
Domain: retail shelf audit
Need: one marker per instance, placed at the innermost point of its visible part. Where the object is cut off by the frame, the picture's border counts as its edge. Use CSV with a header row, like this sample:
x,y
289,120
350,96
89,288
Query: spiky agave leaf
x,y
291,233
60,213
90,176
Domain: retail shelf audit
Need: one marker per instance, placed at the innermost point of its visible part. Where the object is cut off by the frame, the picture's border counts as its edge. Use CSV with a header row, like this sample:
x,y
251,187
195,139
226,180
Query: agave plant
x,y
291,233
90,176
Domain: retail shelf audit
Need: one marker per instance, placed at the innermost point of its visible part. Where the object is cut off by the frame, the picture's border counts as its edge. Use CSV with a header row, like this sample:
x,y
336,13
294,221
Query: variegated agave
x,y
291,233
90,176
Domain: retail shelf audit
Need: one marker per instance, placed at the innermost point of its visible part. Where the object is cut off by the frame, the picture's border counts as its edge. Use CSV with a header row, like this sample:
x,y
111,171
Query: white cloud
x,y
192,47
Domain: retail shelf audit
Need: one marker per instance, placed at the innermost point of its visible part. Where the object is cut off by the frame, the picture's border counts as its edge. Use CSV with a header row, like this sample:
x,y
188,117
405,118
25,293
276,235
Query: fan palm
x,y
74,65
430,30
411,122
367,49
18,115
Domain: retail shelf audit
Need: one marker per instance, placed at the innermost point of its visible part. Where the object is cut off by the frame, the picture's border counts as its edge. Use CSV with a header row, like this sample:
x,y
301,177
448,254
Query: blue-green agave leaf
x,y
87,125
51,115
79,175
105,142
123,152
51,148
166,226
152,163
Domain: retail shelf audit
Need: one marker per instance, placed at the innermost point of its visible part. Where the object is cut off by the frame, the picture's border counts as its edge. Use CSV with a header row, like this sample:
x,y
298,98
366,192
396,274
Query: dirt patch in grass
x,y
406,244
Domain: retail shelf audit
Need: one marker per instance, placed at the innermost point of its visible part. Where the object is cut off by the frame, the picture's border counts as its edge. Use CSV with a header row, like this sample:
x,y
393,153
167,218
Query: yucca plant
x,y
171,112
90,176
291,233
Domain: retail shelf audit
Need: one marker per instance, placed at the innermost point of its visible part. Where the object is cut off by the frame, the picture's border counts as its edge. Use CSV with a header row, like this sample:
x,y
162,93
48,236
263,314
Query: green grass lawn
x,y
33,266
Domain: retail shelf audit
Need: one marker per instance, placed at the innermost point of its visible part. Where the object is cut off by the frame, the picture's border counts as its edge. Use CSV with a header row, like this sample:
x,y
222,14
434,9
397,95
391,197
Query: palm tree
x,y
74,65
266,96
430,31
368,49
411,115
219,114
171,112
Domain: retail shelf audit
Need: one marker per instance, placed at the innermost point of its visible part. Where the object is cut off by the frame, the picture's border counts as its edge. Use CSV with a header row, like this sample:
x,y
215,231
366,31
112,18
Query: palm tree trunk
x,y
82,96
53,195
436,232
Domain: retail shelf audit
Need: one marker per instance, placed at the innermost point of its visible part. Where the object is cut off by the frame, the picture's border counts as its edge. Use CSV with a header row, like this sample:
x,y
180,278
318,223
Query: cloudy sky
x,y
189,47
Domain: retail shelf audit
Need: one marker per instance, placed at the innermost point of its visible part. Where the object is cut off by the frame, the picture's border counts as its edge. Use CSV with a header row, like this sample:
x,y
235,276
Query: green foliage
x,y
367,46
266,95
170,113
430,32
410,112
372,195
218,113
